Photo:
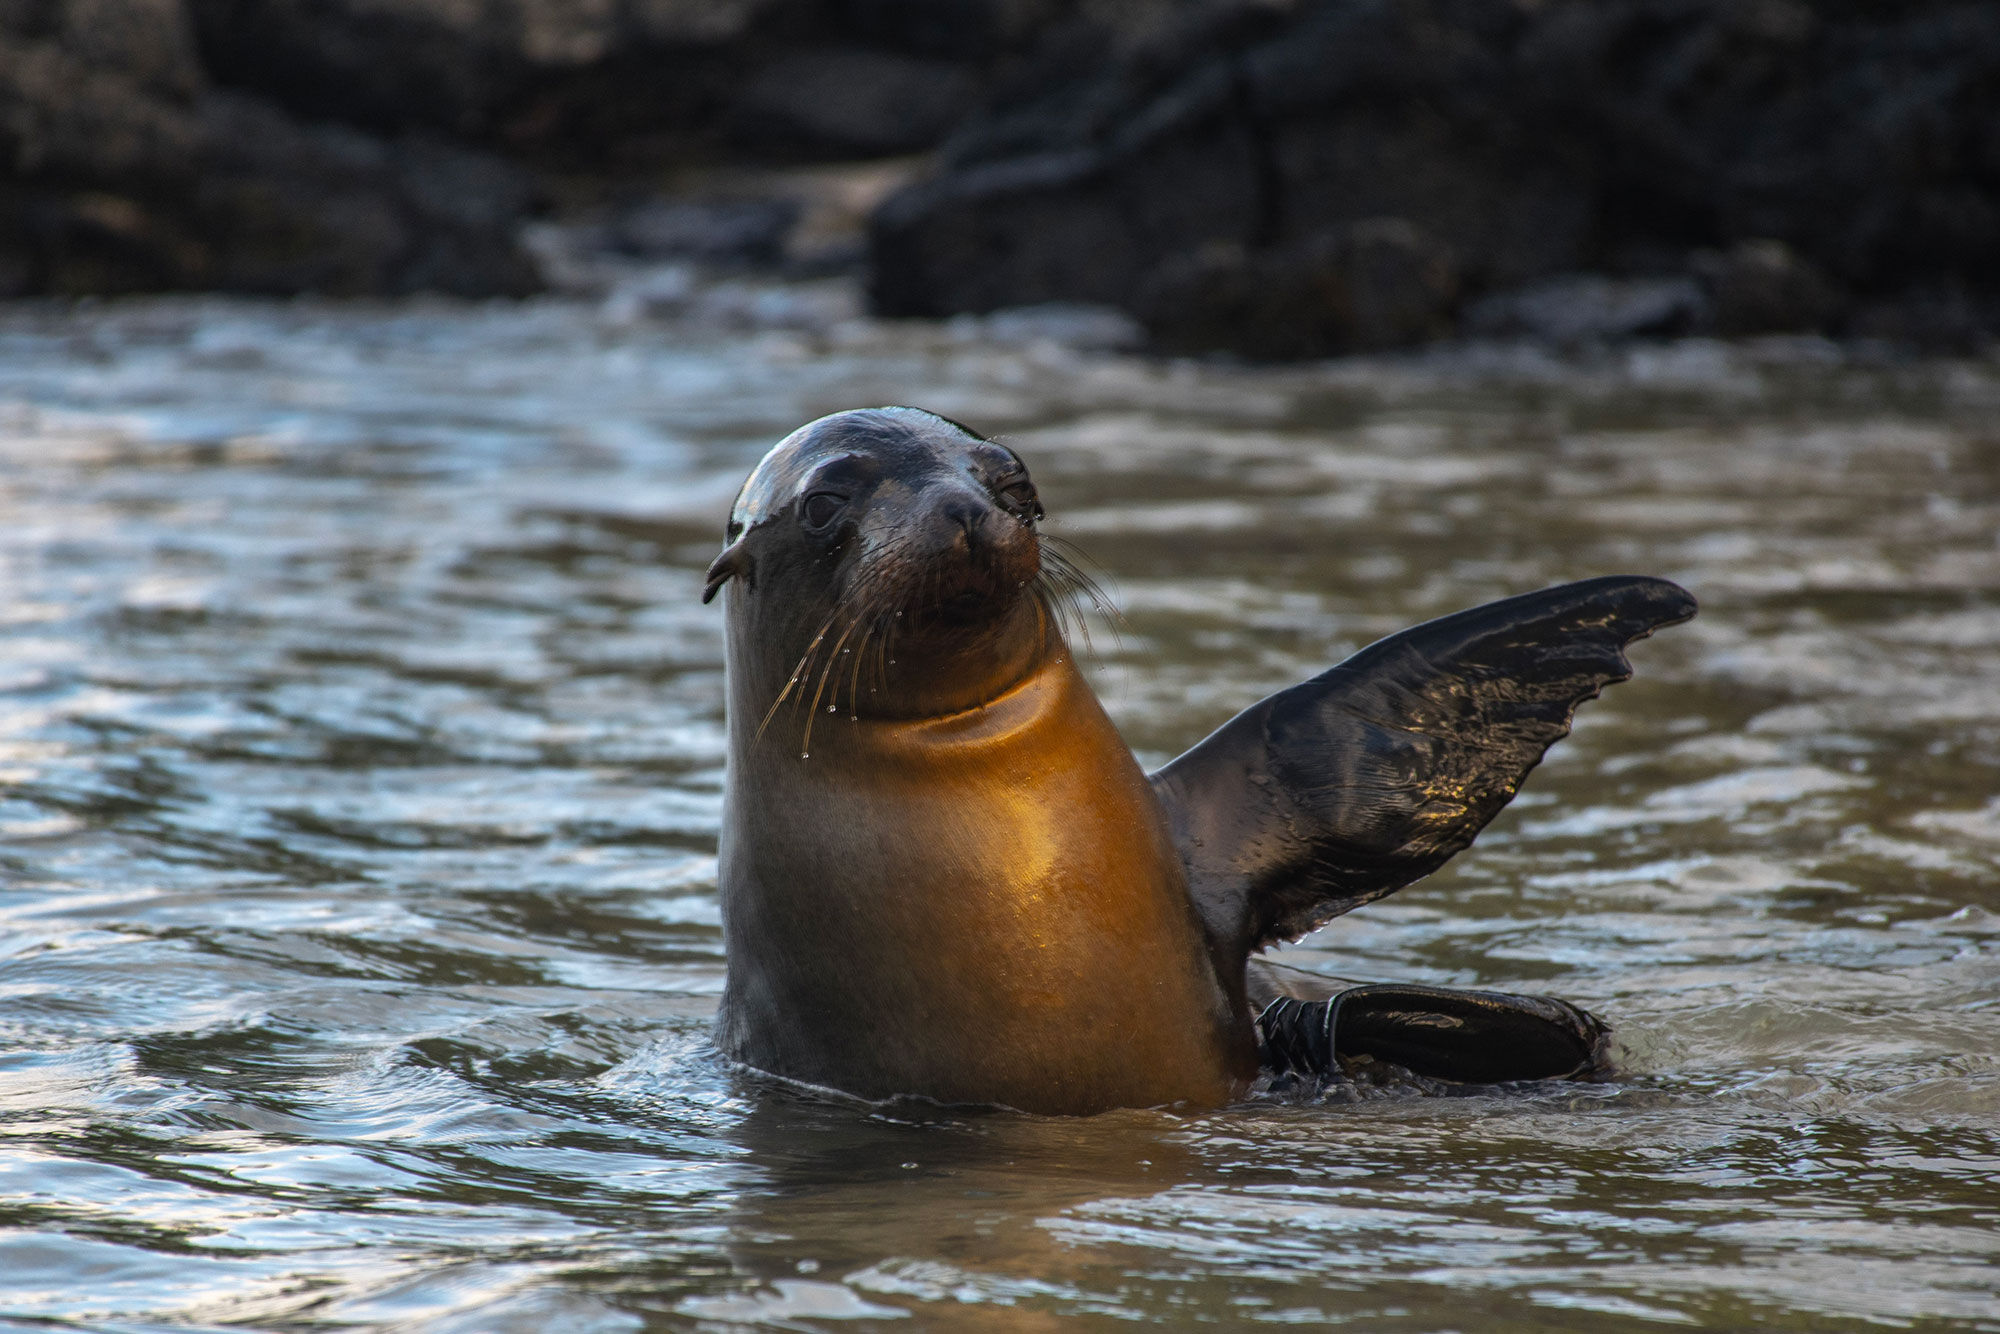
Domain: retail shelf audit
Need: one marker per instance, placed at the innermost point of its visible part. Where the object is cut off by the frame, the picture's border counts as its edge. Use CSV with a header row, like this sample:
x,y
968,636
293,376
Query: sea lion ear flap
x,y
732,562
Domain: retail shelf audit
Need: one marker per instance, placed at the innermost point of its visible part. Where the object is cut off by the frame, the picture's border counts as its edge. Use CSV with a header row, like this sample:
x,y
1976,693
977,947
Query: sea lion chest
x,y
980,908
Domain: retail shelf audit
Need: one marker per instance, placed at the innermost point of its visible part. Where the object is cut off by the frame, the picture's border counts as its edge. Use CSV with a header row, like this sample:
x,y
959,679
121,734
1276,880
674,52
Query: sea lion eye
x,y
819,510
1020,500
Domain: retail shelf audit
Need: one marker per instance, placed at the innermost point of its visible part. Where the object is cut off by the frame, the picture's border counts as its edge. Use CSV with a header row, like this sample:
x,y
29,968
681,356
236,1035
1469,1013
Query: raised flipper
x,y
1336,792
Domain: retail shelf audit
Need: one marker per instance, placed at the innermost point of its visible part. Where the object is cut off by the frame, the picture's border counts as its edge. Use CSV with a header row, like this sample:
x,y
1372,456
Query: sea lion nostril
x,y
964,513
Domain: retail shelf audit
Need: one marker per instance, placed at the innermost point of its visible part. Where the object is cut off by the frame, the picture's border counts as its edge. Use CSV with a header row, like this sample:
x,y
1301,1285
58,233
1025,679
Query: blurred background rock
x,y
1270,179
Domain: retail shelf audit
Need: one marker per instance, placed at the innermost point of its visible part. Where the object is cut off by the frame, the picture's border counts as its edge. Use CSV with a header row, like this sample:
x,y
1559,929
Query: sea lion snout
x,y
937,510
964,516
947,551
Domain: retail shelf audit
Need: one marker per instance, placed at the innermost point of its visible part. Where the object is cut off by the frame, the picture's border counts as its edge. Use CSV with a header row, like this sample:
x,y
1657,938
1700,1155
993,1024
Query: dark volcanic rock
x,y
129,173
319,208
598,84
456,66
1375,284
852,102
338,145
1762,287
1746,165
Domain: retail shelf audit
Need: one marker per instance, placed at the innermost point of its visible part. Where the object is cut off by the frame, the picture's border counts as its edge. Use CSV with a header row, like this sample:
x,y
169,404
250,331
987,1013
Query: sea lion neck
x,y
931,675
1027,723
844,693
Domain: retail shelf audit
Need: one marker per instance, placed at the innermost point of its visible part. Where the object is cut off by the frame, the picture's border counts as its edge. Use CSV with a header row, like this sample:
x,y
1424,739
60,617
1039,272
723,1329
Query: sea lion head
x,y
885,563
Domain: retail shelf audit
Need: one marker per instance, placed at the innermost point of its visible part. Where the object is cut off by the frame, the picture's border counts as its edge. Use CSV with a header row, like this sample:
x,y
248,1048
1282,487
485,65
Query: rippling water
x,y
360,746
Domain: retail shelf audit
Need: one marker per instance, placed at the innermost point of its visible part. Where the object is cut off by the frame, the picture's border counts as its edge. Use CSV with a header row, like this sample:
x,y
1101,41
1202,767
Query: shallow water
x,y
361,739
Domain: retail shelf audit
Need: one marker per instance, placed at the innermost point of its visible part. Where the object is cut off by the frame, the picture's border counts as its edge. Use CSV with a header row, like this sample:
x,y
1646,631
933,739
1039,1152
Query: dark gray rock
x,y
1624,138
1761,287
465,67
618,84
1375,284
1246,127
128,172
963,30
296,207
349,145
852,102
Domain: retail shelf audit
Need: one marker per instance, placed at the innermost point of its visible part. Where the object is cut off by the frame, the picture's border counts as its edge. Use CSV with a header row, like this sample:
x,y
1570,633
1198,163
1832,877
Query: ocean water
x,y
360,770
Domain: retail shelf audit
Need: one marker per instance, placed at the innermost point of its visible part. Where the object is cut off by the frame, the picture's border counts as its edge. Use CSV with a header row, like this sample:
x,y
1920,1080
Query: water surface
x,y
360,764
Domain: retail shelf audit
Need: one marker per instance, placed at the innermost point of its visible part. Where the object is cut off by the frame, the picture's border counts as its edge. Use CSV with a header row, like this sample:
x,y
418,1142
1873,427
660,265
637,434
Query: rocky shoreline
x,y
1273,180
1363,173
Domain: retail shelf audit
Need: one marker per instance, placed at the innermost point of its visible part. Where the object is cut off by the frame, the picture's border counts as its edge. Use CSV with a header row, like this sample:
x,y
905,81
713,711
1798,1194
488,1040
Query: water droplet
x,y
833,708
805,754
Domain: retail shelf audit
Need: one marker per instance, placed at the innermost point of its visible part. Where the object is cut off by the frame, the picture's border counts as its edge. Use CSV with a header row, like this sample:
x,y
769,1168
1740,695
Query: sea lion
x,y
943,874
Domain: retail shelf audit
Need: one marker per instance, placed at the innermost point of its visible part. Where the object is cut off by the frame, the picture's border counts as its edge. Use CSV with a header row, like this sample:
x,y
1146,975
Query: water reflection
x,y
361,751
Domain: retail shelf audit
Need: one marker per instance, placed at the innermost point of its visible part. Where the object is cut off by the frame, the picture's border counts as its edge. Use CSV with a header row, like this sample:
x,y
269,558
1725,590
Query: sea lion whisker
x,y
868,596
1058,597
816,668
1067,601
1054,615
887,622
798,674
1074,566
1073,585
832,660
854,677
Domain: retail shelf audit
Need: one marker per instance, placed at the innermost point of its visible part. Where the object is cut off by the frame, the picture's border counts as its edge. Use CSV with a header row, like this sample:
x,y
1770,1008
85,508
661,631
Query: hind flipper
x,y
1333,793
1470,1037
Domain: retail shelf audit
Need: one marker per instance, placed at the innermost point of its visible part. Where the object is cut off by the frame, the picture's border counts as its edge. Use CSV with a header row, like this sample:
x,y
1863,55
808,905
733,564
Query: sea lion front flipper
x,y
1371,775
1471,1037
